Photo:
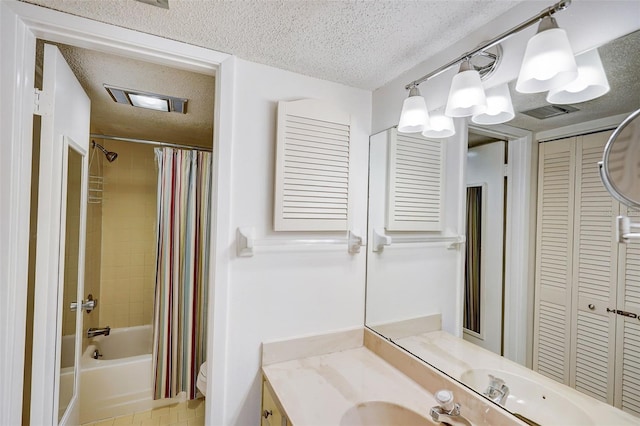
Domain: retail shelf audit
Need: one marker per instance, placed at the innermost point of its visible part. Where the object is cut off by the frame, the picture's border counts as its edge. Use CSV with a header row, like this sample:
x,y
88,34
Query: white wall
x,y
279,294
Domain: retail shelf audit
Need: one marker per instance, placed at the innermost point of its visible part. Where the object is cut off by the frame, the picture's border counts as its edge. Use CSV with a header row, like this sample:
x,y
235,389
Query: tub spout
x,y
93,332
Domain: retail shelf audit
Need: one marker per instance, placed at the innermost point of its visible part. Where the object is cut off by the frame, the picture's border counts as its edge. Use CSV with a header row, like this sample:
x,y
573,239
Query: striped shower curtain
x,y
182,270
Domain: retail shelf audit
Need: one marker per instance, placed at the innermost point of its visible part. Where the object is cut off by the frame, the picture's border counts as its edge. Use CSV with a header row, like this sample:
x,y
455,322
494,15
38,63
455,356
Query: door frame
x,y
519,234
21,24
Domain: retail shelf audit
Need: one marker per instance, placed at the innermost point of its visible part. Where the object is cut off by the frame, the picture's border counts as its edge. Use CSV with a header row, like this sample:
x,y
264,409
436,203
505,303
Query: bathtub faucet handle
x,y
93,332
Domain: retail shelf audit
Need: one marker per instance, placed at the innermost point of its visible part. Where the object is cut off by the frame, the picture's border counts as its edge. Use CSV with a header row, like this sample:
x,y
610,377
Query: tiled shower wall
x,y
128,236
93,254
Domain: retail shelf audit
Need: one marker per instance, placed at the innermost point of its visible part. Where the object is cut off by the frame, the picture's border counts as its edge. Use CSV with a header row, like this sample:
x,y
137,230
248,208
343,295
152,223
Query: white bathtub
x,y
121,381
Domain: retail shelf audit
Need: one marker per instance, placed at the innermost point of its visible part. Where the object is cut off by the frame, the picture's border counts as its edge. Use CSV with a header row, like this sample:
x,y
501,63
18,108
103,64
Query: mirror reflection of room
x,y
548,292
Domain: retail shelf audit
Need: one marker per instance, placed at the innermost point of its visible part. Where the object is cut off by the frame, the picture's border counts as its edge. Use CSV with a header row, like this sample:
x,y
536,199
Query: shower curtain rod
x,y
149,142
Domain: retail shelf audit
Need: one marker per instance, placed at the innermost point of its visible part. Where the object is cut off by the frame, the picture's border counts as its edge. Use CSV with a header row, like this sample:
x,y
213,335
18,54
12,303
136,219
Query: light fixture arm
x,y
561,5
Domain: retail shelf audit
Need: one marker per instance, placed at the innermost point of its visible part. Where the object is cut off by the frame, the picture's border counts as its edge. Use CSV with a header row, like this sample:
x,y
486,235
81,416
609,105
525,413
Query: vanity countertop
x,y
319,390
457,356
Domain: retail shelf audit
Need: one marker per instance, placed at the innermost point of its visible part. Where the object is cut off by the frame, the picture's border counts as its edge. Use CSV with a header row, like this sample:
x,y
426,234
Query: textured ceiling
x,y
110,118
359,43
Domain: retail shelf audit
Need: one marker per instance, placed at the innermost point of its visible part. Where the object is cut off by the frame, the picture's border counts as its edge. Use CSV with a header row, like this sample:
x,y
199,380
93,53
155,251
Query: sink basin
x,y
529,398
382,413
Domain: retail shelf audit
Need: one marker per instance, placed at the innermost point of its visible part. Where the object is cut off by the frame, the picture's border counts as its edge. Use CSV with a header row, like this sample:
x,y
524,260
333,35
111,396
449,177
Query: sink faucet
x,y
497,391
447,412
93,332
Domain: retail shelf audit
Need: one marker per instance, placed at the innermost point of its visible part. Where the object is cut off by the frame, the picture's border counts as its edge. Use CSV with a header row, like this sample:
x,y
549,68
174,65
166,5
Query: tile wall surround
x,y
93,251
128,236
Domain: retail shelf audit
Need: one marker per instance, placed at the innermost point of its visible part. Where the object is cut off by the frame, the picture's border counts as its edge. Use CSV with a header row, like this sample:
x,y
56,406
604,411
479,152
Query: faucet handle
x,y
495,381
445,399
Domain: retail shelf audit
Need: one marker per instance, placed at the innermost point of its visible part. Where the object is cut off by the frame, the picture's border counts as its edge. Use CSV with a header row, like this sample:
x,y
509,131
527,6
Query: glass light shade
x,y
440,126
414,116
591,82
548,62
466,96
499,106
149,102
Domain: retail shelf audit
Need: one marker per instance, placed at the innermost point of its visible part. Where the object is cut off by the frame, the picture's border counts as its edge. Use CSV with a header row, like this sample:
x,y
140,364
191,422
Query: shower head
x,y
111,156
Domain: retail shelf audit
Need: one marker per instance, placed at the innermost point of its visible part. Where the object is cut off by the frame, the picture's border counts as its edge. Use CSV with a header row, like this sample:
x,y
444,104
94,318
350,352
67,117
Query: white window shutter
x,y
415,182
312,167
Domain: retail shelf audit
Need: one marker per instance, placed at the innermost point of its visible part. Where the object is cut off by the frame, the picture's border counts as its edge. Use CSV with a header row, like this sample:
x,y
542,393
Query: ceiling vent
x,y
549,111
147,100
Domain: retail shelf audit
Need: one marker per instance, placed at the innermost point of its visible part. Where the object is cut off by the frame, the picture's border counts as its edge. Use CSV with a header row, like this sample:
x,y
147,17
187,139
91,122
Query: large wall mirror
x,y
436,283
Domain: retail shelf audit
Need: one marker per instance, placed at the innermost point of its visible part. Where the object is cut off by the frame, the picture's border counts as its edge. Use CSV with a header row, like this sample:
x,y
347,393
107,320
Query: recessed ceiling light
x,y
147,100
150,102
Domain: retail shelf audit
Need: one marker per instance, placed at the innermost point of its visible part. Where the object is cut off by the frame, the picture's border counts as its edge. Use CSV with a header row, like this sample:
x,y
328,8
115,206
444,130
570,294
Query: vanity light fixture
x,y
499,106
591,82
548,60
440,126
414,116
466,95
530,79
147,100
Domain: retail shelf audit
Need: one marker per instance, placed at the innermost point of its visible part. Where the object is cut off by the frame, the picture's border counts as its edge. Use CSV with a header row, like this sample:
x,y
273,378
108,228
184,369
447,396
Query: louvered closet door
x,y
627,393
554,251
594,274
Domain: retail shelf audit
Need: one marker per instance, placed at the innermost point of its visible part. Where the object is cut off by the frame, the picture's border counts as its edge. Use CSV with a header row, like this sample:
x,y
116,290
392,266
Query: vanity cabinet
x,y
272,414
582,276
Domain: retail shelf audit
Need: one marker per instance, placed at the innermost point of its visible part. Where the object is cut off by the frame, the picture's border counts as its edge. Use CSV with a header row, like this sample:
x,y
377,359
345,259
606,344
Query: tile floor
x,y
189,413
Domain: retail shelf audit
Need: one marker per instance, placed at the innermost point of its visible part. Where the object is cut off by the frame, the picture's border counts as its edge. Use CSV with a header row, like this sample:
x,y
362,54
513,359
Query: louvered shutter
x,y
312,167
594,274
414,183
554,251
628,336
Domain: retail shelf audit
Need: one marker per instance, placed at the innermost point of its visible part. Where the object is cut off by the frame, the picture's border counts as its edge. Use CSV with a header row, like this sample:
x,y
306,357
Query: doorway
x,y
112,236
484,260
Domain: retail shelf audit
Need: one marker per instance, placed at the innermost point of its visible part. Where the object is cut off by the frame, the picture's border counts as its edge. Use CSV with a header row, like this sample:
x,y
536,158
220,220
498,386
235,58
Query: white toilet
x,y
201,382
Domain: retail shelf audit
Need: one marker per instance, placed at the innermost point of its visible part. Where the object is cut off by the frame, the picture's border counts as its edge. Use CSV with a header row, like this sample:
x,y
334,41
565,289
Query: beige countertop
x,y
457,356
319,390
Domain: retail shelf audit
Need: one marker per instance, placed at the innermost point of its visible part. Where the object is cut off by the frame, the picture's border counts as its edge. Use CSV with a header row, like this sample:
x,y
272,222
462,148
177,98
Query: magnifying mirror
x,y
620,165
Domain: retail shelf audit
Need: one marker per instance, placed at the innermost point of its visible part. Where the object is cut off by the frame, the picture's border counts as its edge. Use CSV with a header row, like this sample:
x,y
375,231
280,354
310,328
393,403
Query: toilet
x,y
201,382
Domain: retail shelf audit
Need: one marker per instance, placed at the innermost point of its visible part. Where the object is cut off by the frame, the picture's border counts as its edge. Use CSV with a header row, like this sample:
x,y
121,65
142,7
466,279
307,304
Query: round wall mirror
x,y
620,165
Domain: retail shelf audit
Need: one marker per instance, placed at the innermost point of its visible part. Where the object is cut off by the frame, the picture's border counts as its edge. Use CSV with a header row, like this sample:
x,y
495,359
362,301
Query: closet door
x,y
594,275
627,392
554,254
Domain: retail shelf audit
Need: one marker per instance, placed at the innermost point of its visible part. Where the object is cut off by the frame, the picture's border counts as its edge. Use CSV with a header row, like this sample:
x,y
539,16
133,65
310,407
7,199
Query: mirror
x,y
67,367
620,167
411,288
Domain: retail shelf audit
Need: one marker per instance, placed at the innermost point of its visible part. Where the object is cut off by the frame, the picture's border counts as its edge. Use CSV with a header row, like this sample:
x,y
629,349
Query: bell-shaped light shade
x,y
499,106
466,96
591,82
440,126
414,116
548,60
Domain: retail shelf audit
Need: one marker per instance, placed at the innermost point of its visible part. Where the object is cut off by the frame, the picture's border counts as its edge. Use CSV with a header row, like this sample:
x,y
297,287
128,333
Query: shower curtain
x,y
182,269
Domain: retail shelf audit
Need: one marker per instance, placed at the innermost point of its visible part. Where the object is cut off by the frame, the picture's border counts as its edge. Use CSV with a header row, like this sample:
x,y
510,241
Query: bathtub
x,y
121,381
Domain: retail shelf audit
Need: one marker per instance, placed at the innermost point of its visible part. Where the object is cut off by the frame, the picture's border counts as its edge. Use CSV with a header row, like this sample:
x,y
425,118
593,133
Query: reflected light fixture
x,y
591,82
466,96
414,116
548,60
499,106
440,126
